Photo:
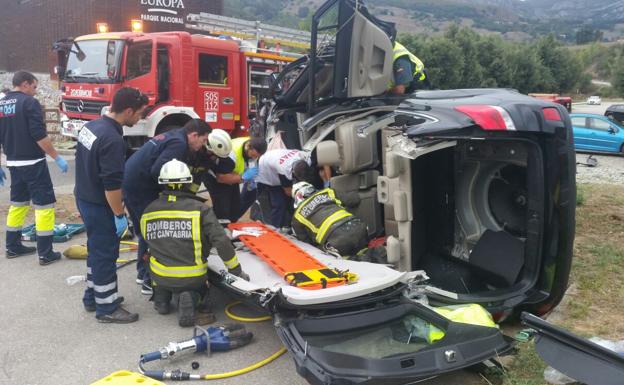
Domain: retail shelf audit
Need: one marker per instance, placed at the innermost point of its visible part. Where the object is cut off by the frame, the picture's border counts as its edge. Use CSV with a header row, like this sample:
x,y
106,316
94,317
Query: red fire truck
x,y
185,76
565,101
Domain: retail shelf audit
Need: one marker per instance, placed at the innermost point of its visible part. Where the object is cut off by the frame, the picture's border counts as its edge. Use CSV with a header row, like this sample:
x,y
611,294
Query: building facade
x,y
30,27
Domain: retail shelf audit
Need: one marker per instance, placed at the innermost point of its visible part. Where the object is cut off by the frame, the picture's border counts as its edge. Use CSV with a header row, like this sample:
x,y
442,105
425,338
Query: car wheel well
x,y
172,121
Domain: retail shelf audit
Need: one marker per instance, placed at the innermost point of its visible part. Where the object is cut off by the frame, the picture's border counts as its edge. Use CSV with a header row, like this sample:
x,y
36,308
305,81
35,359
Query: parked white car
x,y
594,100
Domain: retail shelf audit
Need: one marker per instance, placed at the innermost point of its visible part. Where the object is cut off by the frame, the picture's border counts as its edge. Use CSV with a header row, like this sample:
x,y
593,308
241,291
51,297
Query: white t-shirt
x,y
278,162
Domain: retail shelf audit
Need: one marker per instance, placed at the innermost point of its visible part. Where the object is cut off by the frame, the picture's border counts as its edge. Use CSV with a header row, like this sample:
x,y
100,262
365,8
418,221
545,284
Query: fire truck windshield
x,y
94,61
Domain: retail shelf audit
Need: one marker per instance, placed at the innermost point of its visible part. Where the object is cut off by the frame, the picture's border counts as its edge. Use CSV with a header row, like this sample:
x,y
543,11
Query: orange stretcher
x,y
298,268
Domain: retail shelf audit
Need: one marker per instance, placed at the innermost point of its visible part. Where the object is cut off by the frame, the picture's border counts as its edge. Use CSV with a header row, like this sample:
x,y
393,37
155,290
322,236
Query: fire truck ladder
x,y
297,267
249,30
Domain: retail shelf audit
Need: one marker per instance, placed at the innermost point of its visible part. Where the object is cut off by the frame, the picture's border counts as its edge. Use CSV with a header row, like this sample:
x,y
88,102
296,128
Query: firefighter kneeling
x,y
320,219
180,230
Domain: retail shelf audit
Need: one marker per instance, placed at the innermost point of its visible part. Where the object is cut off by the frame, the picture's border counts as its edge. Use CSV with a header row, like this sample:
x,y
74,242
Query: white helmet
x,y
220,143
175,171
301,191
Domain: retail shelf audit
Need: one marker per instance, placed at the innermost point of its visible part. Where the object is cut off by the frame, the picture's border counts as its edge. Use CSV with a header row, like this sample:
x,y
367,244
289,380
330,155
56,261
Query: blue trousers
x,y
103,246
278,201
135,208
248,196
31,183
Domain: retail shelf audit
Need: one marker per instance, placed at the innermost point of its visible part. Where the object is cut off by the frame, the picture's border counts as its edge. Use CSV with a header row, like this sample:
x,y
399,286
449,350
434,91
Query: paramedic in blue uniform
x,y
100,156
25,142
140,183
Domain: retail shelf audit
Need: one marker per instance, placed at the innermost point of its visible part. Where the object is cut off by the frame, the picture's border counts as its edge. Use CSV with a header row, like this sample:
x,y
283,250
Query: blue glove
x,y
61,163
121,224
250,174
2,177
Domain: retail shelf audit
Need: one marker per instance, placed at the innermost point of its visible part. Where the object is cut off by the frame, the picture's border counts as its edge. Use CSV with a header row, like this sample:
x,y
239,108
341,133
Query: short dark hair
x,y
303,172
128,97
23,76
258,144
197,125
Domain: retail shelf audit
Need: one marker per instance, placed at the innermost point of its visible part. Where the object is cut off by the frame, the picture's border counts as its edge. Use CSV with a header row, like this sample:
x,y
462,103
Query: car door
x,y
603,135
581,133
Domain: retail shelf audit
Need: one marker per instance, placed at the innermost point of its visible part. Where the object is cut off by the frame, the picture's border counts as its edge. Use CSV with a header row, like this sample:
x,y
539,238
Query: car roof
x,y
616,108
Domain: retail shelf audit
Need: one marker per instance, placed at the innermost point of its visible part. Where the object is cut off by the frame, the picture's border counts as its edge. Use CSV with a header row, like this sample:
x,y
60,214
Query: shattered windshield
x,y
327,28
87,61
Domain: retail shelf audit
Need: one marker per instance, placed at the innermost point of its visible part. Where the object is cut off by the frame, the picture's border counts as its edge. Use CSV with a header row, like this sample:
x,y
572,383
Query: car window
x,y
579,121
598,124
213,69
139,59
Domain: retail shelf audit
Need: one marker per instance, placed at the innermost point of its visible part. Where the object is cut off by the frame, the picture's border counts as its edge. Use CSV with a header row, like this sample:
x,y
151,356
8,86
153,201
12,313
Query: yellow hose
x,y
245,370
243,319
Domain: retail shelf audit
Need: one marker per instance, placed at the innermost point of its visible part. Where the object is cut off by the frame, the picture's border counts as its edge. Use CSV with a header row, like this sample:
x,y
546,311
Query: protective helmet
x,y
301,191
220,143
175,171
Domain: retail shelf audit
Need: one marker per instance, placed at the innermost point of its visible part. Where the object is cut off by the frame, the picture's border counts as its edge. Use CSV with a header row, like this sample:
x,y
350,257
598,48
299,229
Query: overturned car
x,y
472,188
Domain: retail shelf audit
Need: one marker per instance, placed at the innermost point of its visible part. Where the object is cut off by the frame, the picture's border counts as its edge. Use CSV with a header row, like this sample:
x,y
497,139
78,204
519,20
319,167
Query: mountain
x,y
570,20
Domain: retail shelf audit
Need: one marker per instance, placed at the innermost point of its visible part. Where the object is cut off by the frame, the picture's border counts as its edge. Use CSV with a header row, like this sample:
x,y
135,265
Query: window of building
x,y
213,69
139,59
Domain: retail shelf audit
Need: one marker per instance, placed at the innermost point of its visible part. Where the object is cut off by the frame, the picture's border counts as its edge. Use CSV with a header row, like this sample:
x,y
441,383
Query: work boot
x,y
19,250
91,307
162,307
50,258
119,316
186,309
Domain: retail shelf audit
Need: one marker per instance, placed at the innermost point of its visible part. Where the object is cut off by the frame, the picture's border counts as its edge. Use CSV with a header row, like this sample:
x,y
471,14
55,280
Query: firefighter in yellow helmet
x,y
408,71
180,230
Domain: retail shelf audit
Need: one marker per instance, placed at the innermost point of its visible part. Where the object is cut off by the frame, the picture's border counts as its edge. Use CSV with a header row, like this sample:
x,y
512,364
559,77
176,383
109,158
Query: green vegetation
x,y
462,58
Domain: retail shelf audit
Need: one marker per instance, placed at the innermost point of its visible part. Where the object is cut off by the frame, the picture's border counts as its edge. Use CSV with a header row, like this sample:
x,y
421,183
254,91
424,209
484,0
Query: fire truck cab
x,y
184,75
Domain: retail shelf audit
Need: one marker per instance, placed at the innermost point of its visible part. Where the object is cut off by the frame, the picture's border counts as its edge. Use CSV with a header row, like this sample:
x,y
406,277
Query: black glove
x,y
238,271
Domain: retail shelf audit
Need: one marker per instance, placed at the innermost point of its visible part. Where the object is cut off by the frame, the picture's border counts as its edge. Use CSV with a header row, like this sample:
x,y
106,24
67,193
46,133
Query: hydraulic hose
x,y
177,375
243,319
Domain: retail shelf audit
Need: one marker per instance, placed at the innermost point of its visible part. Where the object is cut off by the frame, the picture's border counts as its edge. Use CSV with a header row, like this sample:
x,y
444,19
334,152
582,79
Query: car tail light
x,y
551,113
490,118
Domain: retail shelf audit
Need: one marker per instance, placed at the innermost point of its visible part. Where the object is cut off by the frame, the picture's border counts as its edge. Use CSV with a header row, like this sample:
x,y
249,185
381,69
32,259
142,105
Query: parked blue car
x,y
597,133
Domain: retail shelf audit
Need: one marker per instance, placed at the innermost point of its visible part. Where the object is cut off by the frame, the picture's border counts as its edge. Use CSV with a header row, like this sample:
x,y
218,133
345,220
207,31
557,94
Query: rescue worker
x,y
275,179
321,219
407,71
228,201
25,142
180,230
99,175
140,184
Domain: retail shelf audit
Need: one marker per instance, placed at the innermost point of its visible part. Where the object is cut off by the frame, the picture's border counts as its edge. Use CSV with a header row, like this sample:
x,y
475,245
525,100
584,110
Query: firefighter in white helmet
x,y
180,230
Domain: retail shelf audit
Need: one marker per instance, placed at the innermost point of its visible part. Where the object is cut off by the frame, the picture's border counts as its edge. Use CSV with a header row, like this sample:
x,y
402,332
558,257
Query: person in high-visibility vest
x,y
321,219
180,230
223,176
407,71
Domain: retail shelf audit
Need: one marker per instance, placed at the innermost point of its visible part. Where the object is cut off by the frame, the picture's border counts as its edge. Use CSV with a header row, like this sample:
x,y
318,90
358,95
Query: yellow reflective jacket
x,y
180,231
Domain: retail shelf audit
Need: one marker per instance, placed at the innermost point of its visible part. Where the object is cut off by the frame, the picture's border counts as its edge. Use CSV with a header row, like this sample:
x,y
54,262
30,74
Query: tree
x,y
618,77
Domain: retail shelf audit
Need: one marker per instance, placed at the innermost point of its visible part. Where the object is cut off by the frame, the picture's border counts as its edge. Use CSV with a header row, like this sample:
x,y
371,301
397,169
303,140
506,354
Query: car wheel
x,y
622,149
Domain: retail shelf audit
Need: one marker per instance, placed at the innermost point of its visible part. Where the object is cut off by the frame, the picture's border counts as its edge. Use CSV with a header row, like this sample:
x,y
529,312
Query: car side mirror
x,y
611,130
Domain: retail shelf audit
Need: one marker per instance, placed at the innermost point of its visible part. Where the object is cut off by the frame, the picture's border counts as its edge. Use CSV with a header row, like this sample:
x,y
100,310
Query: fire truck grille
x,y
84,106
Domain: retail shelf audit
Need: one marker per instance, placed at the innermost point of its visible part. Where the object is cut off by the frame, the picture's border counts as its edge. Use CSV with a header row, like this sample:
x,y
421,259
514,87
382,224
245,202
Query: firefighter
x,y
275,179
140,185
228,201
321,220
180,230
408,71
25,141
99,175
